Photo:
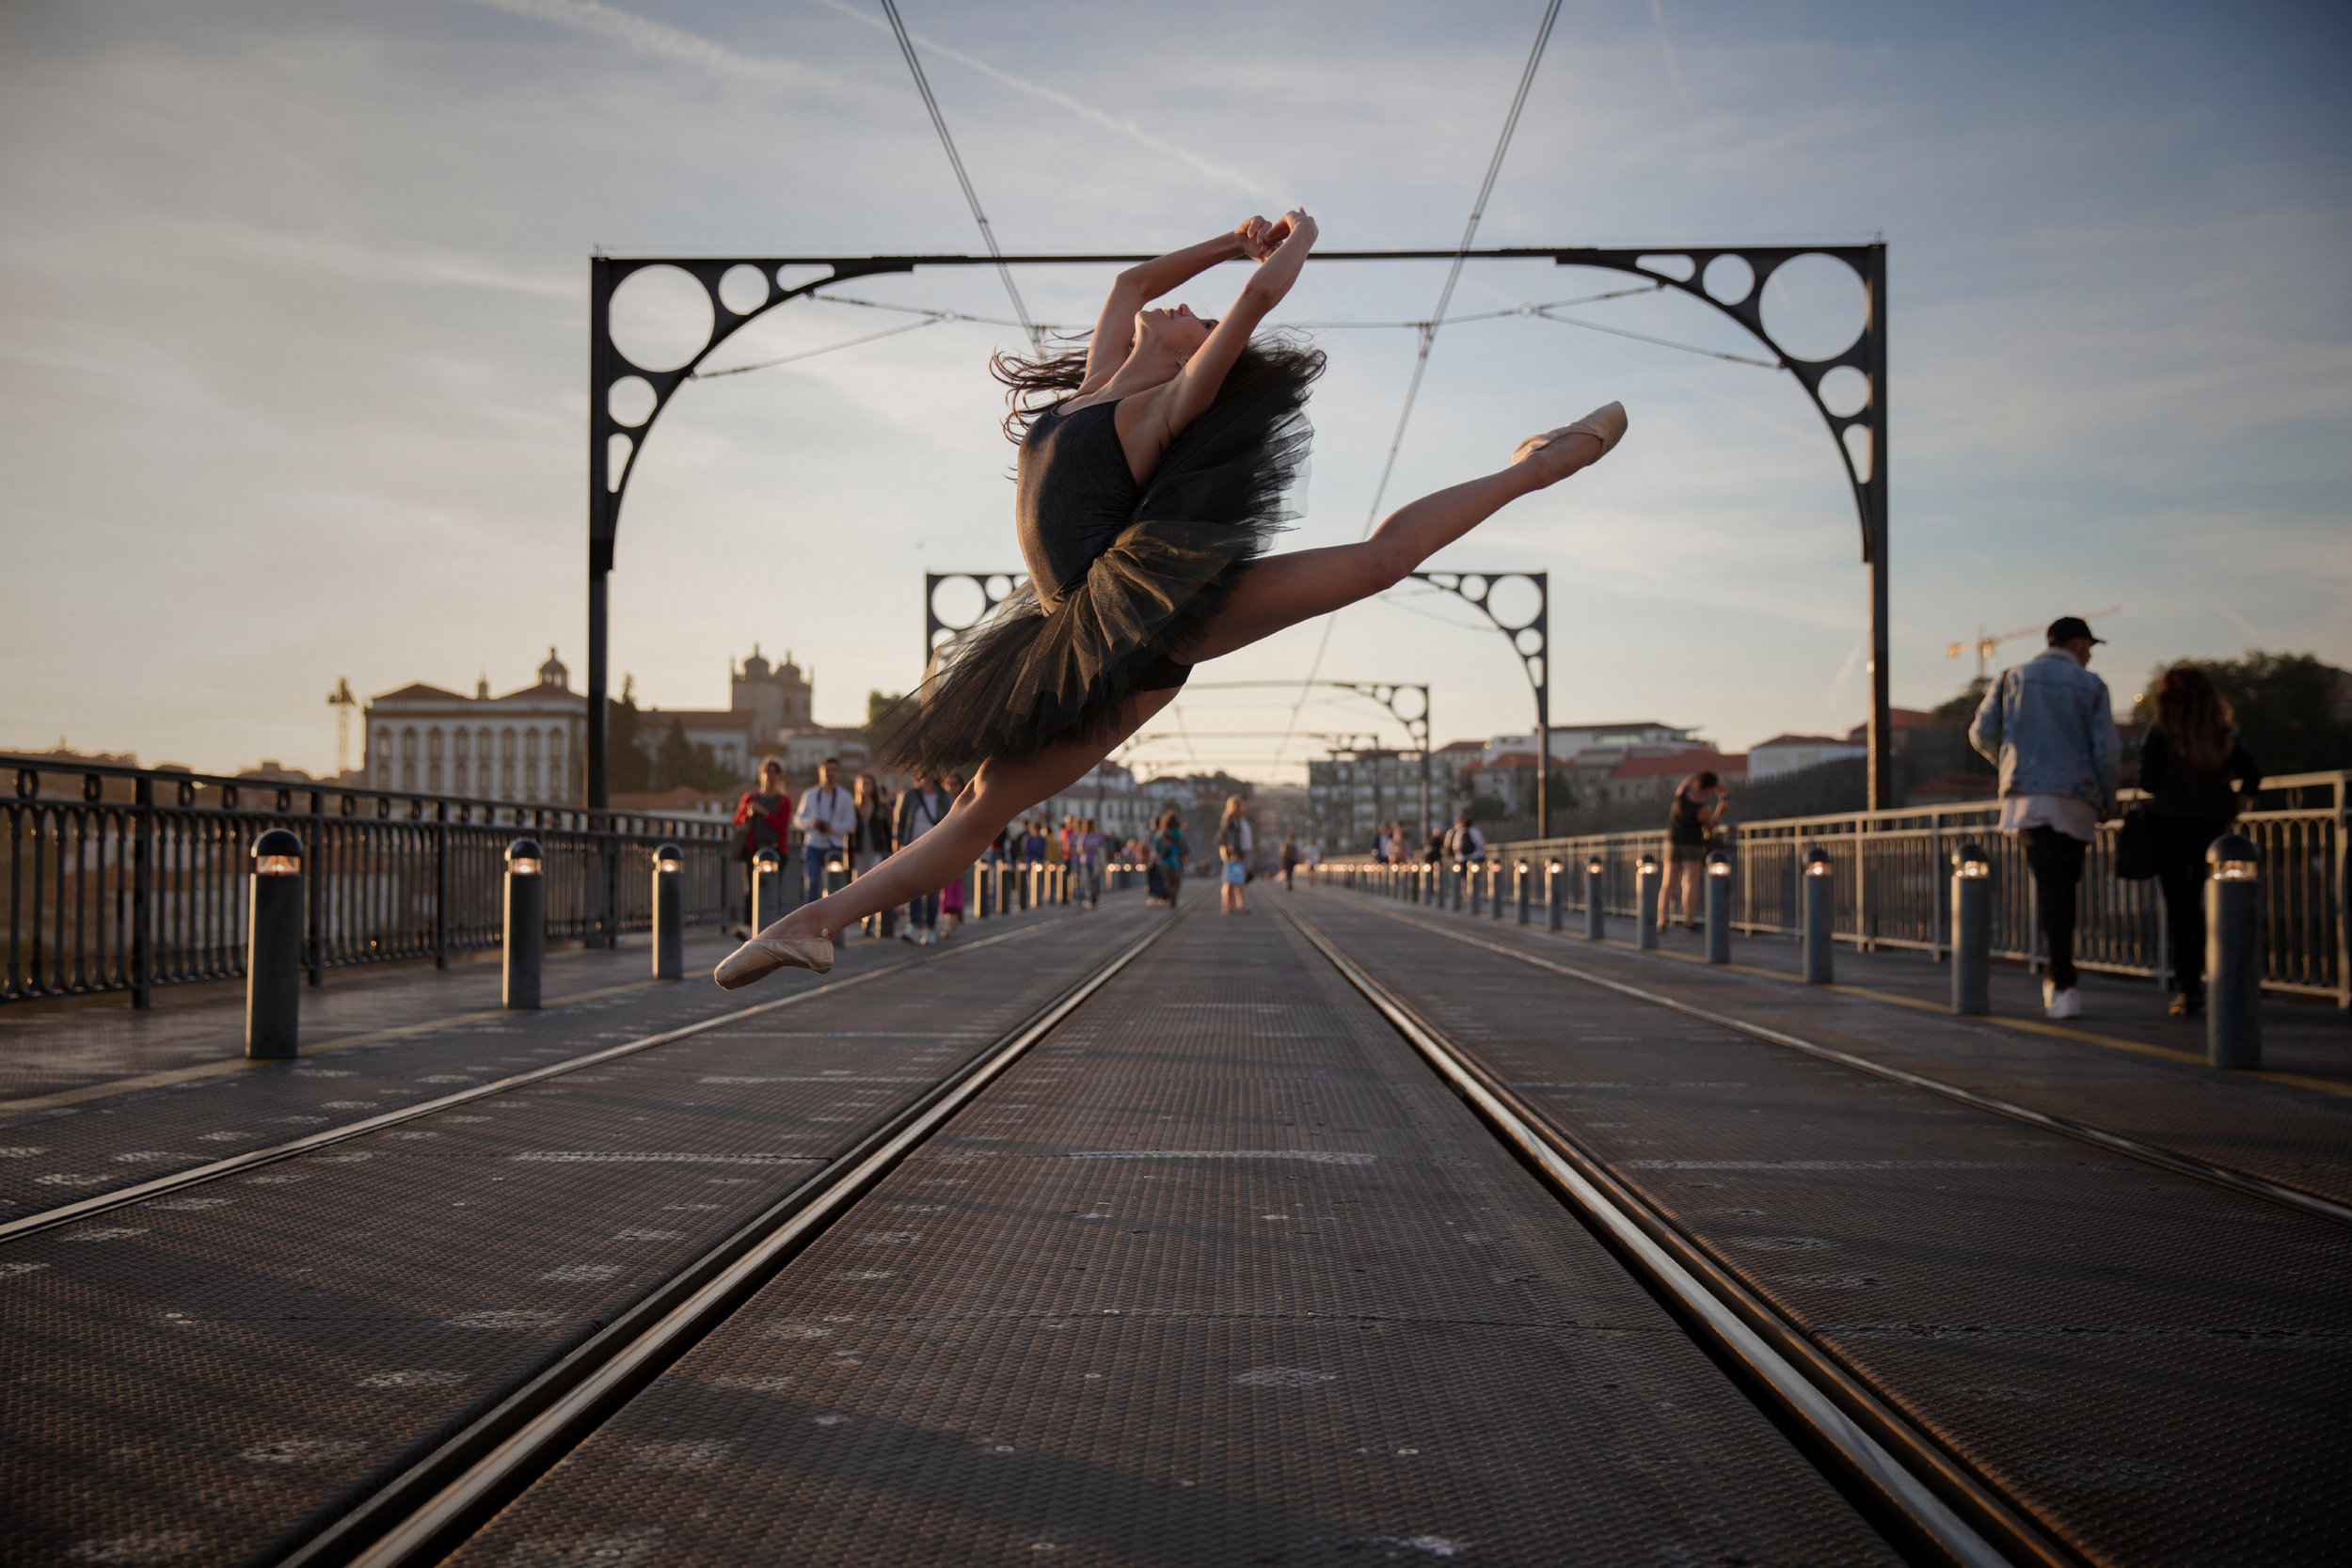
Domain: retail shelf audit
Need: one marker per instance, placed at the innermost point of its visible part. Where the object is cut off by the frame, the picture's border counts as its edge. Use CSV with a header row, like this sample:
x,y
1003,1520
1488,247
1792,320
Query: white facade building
x,y
1109,795
1791,753
526,746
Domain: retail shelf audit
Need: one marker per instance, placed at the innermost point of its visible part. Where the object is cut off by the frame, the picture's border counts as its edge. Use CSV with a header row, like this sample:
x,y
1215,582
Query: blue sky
x,y
295,320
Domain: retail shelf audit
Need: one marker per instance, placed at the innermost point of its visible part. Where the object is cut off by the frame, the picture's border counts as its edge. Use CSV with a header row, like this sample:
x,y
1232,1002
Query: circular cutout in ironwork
x,y
660,318
631,400
1528,641
998,586
743,288
1845,392
1857,439
1729,279
1472,588
957,602
1814,306
616,449
1515,601
1680,268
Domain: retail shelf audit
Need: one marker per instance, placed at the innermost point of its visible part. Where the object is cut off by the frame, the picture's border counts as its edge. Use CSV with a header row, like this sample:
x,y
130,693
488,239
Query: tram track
x,y
239,1165
2174,1161
1922,1496
423,1512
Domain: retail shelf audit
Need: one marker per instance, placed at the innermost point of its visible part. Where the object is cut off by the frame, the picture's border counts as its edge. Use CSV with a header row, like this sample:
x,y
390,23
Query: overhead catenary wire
x,y
1445,297
955,161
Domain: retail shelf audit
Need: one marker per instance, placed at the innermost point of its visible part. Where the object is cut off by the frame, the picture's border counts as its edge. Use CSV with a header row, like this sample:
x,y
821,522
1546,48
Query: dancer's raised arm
x,y
1195,388
1115,329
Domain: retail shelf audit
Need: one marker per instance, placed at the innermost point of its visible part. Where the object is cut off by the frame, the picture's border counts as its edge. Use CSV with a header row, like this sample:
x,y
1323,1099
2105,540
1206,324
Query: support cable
x,y
1429,332
906,46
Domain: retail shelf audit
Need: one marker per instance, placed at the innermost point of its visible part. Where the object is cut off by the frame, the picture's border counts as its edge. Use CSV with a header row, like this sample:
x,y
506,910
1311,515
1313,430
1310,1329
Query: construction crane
x,y
343,702
1986,646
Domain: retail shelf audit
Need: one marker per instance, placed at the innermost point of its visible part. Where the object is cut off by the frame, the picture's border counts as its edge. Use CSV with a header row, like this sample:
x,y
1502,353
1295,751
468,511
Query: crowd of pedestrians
x,y
851,830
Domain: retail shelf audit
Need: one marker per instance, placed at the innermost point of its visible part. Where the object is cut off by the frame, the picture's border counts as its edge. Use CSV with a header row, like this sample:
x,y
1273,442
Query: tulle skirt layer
x,y
1033,675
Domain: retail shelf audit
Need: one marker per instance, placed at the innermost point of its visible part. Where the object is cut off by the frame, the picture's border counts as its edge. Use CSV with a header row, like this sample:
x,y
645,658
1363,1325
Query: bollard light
x,y
526,932
669,918
1718,907
767,887
1820,910
1595,899
1555,896
273,953
1523,886
2234,953
1972,930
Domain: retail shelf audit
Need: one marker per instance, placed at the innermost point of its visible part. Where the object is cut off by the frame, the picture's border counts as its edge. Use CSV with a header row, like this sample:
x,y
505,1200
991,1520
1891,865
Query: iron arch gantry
x,y
616,437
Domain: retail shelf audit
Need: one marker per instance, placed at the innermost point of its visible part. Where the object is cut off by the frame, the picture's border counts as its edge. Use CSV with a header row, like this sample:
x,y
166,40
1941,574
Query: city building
x,y
1110,795
1349,796
1792,754
527,745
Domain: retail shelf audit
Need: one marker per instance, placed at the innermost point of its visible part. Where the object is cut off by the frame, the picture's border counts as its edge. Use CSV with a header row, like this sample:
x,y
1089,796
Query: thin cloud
x,y
1665,45
1055,96
662,41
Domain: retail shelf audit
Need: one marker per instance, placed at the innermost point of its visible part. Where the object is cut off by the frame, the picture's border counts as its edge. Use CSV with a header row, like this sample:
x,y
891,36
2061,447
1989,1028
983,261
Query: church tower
x,y
777,696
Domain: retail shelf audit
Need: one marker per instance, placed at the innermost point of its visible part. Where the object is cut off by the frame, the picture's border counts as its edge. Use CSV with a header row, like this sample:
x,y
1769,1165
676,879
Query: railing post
x,y
2234,953
143,894
441,869
1718,907
669,928
1821,915
1595,899
526,925
1972,930
1646,903
1555,896
317,871
273,950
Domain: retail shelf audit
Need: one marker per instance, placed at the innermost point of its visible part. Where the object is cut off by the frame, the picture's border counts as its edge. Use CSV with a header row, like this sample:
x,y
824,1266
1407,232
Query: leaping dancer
x,y
1149,485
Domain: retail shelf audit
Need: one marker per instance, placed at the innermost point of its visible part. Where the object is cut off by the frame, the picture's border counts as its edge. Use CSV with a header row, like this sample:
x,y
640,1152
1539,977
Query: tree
x,y
2289,707
1963,709
886,713
677,761
627,769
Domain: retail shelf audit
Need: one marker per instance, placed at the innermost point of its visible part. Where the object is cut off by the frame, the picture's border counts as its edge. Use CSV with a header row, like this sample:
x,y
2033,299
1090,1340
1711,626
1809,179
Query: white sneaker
x,y
2063,1004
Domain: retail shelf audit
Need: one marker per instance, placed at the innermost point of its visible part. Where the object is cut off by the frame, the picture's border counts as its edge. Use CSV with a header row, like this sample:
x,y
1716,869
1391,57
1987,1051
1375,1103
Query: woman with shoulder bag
x,y
764,815
2198,776
1232,853
870,843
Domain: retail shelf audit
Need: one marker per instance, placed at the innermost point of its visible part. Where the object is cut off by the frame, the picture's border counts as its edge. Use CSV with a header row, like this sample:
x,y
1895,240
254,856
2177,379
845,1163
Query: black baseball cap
x,y
2068,627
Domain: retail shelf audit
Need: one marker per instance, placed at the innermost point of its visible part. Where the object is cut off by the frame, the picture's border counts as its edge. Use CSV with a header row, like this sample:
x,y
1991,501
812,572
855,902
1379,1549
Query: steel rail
x,y
1905,1479
101,1203
426,1511
2098,1137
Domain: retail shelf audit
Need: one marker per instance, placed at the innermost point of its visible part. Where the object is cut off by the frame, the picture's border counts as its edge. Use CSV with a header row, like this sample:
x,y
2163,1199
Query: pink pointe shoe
x,y
1605,424
763,956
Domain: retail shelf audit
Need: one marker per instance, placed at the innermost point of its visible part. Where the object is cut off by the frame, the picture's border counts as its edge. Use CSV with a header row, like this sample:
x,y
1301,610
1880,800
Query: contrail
x,y
675,43
1061,100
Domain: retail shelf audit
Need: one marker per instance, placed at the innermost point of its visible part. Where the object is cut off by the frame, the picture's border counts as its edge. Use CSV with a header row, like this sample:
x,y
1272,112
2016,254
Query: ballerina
x,y
1151,479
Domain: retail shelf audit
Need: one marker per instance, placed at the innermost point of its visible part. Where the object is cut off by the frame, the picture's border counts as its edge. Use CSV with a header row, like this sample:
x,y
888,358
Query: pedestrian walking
x,y
1151,477
1290,861
2198,776
1232,854
1091,848
764,815
2049,724
1465,845
871,840
1169,850
827,817
1697,806
952,896
922,806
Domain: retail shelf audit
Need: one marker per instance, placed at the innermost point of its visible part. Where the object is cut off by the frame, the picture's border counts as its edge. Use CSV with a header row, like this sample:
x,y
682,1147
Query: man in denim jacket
x,y
2050,726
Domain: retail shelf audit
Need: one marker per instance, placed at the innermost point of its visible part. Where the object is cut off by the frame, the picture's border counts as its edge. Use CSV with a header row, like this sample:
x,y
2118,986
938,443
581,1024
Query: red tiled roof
x,y
547,689
700,717
1681,762
1799,740
417,691
1954,786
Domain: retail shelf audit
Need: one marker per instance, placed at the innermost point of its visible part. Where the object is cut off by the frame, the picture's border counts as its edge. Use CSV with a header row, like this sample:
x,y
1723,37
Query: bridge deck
x,y
1217,1272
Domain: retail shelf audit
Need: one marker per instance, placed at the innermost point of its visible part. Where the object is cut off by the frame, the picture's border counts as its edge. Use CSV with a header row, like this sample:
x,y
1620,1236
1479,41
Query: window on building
x,y
531,746
433,744
407,775
458,744
506,775
506,748
531,776
408,746
457,772
433,775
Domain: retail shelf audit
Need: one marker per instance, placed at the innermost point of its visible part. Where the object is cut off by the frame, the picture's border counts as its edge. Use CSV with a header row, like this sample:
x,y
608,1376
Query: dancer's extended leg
x,y
1283,589
996,793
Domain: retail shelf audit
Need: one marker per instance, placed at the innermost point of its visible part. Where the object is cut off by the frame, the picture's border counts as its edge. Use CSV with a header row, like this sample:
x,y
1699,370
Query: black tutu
x,y
1121,580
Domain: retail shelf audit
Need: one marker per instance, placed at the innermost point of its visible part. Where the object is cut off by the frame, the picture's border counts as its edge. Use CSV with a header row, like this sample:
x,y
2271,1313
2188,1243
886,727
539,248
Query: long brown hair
x,y
2195,717
1035,385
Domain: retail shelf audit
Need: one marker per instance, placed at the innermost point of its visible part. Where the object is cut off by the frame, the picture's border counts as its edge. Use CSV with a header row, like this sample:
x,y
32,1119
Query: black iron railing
x,y
1893,879
126,879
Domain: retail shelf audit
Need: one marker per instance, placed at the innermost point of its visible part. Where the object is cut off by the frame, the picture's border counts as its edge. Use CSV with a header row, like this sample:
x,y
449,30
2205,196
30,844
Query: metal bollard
x,y
1520,875
1458,873
1972,931
837,878
2234,953
273,947
1494,888
1477,876
1718,907
526,924
1555,896
668,919
1821,913
768,905
1645,904
1596,899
